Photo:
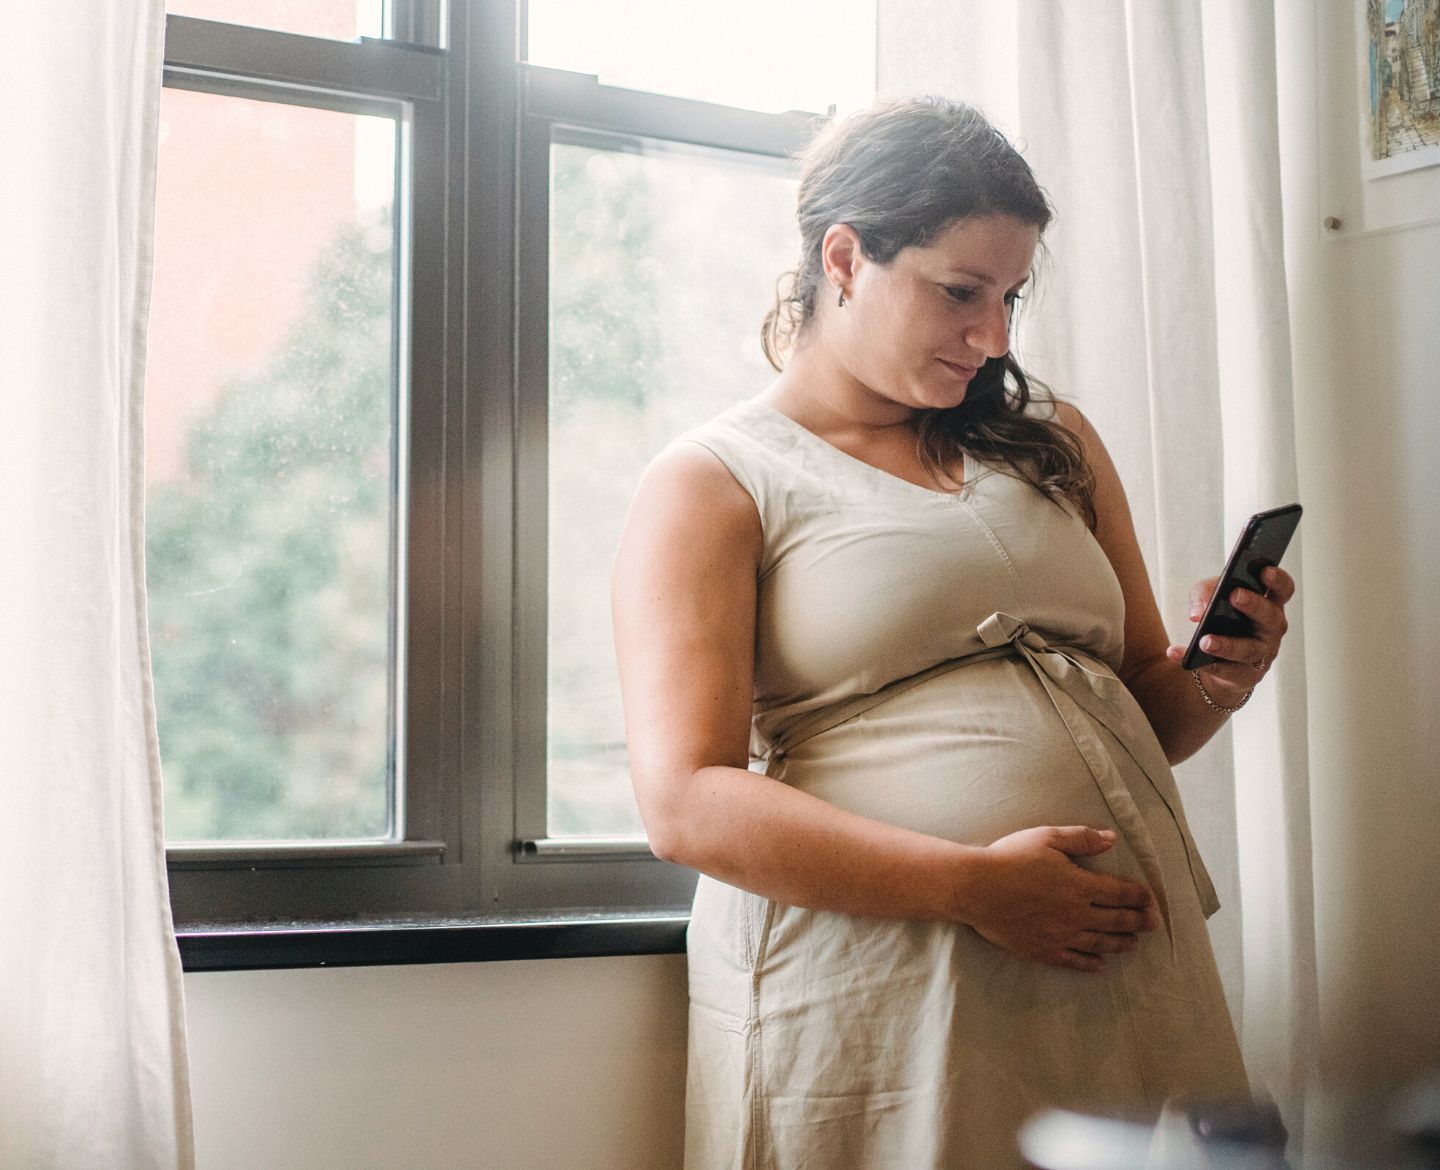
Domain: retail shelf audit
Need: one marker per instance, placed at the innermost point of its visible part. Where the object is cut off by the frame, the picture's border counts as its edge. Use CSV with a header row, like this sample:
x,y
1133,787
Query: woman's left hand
x,y
1243,661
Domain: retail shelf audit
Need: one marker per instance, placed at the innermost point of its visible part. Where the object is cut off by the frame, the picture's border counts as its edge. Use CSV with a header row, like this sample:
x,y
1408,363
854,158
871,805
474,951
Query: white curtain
x,y
1162,313
92,1046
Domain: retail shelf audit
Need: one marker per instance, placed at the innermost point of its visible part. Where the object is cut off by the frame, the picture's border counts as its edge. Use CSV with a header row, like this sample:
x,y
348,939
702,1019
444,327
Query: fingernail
x,y
1207,644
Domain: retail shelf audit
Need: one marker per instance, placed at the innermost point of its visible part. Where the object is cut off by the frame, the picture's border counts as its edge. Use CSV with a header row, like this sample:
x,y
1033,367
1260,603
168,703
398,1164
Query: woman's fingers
x,y
1267,614
1247,652
1200,594
1097,943
1243,662
1087,954
1040,905
1079,961
1279,585
1080,840
1109,891
1102,920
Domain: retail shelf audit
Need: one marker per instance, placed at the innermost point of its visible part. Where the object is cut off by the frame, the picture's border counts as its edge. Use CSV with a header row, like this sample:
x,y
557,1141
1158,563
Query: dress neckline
x,y
879,474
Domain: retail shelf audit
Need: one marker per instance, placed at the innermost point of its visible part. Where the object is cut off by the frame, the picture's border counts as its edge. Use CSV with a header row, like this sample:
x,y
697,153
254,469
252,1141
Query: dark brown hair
x,y
899,174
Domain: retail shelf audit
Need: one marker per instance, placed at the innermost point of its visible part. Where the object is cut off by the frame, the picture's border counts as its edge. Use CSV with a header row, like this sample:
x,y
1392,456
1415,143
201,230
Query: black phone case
x,y
1262,543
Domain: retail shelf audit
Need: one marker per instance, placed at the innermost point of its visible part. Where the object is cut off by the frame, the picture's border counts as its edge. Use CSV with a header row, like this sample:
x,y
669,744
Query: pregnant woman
x,y
896,684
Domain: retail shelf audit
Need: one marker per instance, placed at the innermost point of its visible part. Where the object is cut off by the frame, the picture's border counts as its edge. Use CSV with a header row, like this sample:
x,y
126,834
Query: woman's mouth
x,y
960,370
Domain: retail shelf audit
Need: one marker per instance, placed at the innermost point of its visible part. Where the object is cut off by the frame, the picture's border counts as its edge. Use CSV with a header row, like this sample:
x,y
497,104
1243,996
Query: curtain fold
x,y
1271,745
92,1044
1161,311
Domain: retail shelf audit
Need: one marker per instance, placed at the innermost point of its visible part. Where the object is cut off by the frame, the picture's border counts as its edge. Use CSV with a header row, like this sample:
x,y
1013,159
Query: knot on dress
x,y
1058,662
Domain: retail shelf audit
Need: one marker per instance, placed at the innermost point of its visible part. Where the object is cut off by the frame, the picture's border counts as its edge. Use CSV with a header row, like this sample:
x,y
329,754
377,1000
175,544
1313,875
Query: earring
x,y
841,302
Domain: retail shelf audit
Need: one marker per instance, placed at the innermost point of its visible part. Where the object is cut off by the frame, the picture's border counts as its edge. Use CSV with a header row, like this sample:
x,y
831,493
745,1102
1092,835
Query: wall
x,y
1365,311
576,1064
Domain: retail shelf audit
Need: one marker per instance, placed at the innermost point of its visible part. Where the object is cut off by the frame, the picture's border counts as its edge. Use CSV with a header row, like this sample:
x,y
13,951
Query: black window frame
x,y
474,877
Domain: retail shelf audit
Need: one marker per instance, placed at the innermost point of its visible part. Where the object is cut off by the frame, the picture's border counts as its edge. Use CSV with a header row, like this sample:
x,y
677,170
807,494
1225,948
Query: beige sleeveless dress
x,y
944,663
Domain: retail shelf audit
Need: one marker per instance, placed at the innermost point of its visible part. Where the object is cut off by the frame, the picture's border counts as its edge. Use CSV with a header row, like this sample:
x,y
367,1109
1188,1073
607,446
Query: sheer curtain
x,y
92,1046
1161,312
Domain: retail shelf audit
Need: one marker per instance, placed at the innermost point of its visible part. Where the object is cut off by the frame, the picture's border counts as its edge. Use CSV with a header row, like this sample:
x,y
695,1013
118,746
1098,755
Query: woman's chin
x,y
946,398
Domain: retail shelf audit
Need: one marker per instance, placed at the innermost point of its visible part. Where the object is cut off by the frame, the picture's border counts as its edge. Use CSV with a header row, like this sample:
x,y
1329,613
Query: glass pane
x,y
269,450
756,54
654,328
340,20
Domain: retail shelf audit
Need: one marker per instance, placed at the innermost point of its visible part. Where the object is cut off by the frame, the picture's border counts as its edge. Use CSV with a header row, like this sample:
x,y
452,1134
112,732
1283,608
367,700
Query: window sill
x,y
385,941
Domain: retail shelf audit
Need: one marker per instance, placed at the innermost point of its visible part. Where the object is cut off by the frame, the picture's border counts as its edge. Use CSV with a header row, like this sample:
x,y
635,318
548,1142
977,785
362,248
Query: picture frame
x,y
1399,74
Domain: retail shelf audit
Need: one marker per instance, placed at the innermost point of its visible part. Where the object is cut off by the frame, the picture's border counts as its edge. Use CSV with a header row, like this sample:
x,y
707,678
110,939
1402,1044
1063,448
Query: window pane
x,y
756,54
340,20
654,328
269,452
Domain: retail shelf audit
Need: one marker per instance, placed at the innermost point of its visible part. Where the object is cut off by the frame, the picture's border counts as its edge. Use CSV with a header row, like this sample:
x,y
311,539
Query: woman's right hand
x,y
1032,900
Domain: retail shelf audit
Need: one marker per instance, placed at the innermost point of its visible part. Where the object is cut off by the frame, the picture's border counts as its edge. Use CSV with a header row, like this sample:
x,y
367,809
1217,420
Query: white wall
x,y
573,1064
1365,311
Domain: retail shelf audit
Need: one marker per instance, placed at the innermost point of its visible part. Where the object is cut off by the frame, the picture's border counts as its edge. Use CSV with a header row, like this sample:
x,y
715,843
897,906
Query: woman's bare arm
x,y
684,600
1182,720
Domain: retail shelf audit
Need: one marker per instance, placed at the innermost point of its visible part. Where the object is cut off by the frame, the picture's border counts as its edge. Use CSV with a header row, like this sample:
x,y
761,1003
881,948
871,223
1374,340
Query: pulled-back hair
x,y
899,174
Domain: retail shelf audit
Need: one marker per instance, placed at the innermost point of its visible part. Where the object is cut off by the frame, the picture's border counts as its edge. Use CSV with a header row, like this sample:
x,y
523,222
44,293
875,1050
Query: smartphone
x,y
1260,546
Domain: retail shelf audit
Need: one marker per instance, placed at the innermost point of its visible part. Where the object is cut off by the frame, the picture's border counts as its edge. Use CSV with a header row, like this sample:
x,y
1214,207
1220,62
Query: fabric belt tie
x,y
1073,688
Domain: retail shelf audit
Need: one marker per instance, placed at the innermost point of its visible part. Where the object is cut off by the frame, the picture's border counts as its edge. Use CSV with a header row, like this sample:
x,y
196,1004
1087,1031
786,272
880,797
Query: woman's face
x,y
916,330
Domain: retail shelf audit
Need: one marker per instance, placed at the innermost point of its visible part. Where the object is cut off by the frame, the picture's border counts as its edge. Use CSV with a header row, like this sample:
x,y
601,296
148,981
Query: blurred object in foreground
x,y
1057,1140
1244,1135
1415,1120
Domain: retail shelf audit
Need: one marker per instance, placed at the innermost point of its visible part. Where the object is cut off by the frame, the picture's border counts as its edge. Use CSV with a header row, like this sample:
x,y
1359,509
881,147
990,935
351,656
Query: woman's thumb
x,y
1081,840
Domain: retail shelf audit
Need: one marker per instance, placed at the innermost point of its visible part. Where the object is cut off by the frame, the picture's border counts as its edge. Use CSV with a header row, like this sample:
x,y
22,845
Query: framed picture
x,y
1400,75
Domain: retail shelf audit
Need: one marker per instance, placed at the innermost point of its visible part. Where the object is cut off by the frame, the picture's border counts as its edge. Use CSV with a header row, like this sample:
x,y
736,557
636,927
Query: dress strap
x,y
823,719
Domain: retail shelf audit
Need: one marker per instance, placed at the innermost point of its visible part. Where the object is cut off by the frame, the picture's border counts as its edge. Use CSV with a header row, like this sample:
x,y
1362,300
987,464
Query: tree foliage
x,y
269,579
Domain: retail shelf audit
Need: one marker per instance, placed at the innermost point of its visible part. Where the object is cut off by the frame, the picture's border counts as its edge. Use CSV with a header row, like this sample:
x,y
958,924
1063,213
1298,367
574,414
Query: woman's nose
x,y
991,333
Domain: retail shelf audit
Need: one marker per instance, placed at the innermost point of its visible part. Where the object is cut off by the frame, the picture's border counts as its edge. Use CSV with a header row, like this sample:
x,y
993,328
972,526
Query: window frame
x,y
475,876
241,882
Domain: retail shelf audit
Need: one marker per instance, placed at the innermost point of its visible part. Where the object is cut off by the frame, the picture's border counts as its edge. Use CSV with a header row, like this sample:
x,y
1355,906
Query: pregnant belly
x,y
971,756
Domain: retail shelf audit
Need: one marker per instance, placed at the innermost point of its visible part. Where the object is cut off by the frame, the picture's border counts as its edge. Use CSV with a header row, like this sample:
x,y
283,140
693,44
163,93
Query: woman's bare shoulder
x,y
689,500
1068,415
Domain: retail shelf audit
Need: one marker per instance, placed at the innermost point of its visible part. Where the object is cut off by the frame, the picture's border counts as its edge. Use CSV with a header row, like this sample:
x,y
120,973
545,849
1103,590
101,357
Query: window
x,y
274,473
753,54
423,310
647,302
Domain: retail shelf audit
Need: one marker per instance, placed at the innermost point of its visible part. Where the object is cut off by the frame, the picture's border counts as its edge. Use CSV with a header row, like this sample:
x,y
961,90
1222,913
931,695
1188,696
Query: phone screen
x,y
1261,545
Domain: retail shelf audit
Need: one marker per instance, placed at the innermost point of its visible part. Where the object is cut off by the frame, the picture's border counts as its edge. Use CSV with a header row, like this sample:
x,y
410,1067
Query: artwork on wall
x,y
1401,70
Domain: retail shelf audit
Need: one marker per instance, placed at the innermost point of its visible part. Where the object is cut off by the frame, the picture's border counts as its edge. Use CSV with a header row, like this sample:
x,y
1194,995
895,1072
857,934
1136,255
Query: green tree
x,y
606,334
269,579
604,288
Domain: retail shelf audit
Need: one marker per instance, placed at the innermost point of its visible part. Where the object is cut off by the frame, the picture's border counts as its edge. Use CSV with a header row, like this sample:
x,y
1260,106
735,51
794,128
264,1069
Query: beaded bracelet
x,y
1245,698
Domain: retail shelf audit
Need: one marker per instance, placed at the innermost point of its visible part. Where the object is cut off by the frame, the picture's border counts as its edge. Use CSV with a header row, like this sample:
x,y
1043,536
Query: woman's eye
x,y
959,293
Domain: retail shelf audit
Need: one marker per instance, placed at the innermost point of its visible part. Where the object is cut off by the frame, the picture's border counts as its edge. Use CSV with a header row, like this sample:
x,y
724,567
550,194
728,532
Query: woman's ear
x,y
841,256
